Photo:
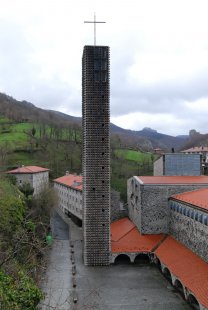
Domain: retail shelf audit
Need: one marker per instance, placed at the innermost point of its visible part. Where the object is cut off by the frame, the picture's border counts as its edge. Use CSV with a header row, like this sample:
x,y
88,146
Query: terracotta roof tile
x,y
202,179
189,268
125,237
71,180
197,198
28,169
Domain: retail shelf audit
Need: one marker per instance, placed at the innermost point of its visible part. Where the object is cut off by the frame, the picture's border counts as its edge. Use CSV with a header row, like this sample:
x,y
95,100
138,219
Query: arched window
x,y
200,218
192,214
188,212
205,220
196,216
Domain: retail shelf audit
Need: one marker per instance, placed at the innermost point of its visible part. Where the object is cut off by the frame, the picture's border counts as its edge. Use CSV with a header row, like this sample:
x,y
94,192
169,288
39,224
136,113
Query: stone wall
x,y
190,227
155,213
148,204
134,190
158,166
36,180
118,210
40,180
24,178
96,154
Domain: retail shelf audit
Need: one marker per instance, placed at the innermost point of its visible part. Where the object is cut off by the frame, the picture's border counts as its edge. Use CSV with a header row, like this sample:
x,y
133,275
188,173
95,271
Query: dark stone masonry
x,y
96,155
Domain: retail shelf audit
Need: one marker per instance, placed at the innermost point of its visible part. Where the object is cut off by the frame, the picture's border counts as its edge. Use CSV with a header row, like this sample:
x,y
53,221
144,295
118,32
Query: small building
x,y
178,164
203,150
188,214
148,199
37,177
158,151
69,191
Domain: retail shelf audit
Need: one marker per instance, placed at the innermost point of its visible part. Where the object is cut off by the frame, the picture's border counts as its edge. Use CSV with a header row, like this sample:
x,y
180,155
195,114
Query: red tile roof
x,y
71,180
202,179
189,268
197,198
197,149
28,169
125,237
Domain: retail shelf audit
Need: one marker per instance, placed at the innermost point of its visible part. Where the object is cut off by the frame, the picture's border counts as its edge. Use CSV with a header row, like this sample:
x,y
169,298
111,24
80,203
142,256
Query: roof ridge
x,y
125,234
159,243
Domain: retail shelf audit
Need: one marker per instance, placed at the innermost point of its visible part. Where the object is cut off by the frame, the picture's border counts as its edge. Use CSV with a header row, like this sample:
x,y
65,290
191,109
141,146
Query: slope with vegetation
x,y
24,223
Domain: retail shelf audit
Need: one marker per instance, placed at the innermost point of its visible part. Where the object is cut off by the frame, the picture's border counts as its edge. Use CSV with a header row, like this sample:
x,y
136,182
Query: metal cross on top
x,y
94,22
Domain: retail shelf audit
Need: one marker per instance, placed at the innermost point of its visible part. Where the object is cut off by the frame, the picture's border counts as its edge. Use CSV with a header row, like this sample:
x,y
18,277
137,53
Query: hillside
x,y
23,228
146,139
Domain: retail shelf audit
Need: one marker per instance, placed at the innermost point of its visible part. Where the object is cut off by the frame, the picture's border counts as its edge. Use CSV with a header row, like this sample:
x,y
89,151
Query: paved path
x,y
57,282
118,287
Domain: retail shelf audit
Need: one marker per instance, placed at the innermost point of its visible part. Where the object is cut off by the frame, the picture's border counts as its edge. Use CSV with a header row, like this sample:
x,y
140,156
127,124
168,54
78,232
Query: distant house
x,y
36,176
203,150
158,151
178,164
69,191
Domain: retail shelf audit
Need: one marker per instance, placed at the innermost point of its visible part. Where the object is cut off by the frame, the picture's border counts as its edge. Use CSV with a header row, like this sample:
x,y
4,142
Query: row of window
x,y
193,214
74,211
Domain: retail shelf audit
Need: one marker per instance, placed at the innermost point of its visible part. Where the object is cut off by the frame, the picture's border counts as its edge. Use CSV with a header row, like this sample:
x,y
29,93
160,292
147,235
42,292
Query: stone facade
x,y
189,225
69,196
96,155
148,204
37,177
118,209
178,164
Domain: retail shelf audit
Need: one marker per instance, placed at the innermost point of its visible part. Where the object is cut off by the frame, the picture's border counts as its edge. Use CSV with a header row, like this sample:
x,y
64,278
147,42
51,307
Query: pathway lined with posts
x,y
57,282
69,285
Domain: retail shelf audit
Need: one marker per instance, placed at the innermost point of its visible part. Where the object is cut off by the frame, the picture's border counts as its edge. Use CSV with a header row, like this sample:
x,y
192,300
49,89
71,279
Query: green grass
x,y
13,134
133,155
4,120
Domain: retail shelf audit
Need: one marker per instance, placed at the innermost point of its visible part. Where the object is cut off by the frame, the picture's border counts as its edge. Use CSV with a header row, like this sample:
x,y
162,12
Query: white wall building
x,y
37,177
69,191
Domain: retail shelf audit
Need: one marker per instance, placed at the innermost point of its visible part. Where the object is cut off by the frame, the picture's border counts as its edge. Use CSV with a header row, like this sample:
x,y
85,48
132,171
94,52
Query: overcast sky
x,y
159,58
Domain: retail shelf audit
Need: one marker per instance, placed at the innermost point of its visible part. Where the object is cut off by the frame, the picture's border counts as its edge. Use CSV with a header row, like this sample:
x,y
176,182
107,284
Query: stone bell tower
x,y
96,155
